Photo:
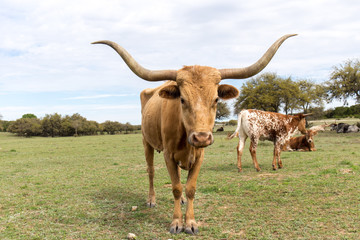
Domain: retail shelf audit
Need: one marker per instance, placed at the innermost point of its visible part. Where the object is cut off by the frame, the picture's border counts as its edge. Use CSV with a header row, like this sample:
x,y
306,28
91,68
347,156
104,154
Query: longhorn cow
x,y
263,125
178,118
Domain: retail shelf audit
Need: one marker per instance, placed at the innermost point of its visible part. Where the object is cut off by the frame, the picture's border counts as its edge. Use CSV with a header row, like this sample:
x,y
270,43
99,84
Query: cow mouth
x,y
200,139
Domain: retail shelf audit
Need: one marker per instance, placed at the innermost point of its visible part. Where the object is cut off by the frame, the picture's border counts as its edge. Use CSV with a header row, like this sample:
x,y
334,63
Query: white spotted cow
x,y
271,126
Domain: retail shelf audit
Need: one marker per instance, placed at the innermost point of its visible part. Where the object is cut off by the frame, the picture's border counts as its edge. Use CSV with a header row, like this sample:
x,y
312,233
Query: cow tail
x,y
236,133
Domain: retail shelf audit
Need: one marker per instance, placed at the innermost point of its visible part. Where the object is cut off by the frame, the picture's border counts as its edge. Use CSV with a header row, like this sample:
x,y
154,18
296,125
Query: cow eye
x,y
182,100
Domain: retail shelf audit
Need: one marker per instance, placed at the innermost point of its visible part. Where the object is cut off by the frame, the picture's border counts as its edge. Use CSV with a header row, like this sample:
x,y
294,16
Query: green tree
x,y
51,125
344,82
78,123
29,115
268,92
5,125
26,127
289,93
311,95
111,127
261,92
222,110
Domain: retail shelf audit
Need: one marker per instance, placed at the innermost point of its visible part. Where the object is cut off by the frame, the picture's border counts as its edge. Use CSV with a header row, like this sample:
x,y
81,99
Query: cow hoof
x,y
151,204
176,227
191,227
258,169
239,170
192,230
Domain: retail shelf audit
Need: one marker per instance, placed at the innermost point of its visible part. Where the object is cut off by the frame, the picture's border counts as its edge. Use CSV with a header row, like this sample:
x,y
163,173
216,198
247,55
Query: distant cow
x,y
353,128
320,128
220,129
302,143
271,126
344,128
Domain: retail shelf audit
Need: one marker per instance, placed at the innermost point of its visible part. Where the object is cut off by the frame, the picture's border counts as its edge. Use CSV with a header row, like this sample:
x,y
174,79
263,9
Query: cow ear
x,y
227,92
170,92
315,132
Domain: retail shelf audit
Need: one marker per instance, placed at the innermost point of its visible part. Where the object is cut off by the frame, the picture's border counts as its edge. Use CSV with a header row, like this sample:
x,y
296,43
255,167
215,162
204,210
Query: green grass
x,y
84,188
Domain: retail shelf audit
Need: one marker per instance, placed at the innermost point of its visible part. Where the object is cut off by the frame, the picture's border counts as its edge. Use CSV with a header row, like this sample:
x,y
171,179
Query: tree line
x,y
271,92
56,125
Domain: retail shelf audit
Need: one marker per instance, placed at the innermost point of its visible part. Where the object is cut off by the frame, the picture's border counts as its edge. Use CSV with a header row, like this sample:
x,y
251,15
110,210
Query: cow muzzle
x,y
201,139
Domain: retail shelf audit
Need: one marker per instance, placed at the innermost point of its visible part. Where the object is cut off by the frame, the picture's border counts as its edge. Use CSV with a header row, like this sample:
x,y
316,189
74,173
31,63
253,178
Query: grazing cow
x,y
178,118
301,143
271,126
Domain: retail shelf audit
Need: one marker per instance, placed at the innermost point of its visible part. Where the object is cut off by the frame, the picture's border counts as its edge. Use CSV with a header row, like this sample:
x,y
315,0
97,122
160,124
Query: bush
x,y
55,125
232,123
26,127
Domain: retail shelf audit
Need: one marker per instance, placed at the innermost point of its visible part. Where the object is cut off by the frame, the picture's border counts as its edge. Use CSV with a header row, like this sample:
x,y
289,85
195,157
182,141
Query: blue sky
x,y
48,65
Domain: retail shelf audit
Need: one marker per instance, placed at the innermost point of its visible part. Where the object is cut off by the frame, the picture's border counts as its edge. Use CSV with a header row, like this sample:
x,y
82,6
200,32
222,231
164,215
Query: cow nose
x,y
201,139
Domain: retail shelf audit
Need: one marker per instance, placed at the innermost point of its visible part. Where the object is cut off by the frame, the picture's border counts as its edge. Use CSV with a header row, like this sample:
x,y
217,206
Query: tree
x,y
268,92
289,94
51,125
344,82
111,127
259,93
29,115
311,95
26,127
1,123
78,122
222,110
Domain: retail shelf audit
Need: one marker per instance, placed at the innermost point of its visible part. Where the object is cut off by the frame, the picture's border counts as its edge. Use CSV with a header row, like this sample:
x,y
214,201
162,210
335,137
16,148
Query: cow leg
x,y
177,222
182,201
240,149
191,227
277,152
149,155
252,149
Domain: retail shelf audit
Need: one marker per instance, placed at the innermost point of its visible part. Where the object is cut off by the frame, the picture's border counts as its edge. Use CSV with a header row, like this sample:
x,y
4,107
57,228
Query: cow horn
x,y
240,73
146,74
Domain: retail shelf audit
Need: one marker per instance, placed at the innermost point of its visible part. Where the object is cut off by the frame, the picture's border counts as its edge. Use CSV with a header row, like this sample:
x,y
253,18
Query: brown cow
x,y
275,127
301,143
178,118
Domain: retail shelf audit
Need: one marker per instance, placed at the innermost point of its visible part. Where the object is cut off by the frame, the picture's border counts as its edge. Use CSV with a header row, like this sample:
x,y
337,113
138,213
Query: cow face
x,y
198,92
310,136
302,122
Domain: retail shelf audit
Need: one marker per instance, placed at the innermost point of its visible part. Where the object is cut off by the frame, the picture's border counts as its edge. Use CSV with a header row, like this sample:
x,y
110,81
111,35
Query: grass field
x,y
85,187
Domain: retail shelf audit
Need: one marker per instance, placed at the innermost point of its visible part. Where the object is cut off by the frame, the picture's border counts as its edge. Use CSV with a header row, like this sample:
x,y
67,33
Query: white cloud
x,y
98,96
45,45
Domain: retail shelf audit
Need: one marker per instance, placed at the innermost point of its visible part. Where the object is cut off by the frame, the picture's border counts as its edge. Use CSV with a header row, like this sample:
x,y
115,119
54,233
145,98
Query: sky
x,y
47,64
